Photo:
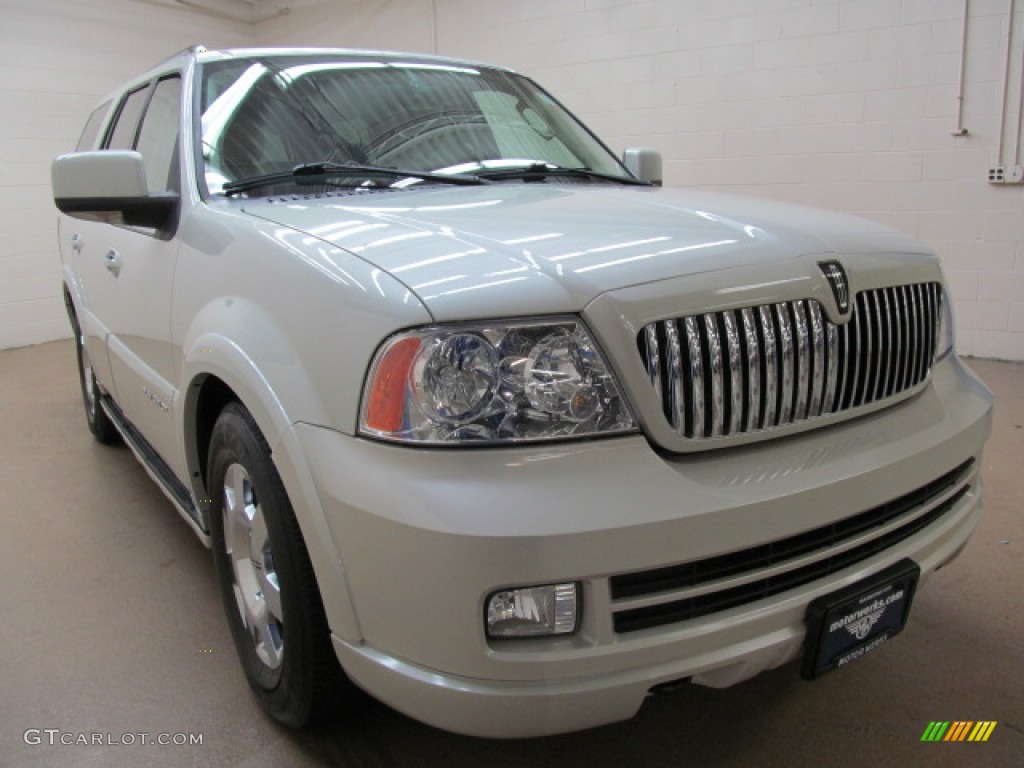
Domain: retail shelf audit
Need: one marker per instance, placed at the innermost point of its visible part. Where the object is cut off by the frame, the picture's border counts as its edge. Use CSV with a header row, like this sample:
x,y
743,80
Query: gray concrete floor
x,y
111,624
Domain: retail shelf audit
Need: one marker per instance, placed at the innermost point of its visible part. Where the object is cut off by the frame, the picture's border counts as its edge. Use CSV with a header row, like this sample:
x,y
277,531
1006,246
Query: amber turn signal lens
x,y
385,408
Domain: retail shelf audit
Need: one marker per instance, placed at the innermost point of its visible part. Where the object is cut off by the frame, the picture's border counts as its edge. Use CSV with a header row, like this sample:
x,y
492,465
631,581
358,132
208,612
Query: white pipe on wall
x,y
1006,82
433,24
1020,112
960,130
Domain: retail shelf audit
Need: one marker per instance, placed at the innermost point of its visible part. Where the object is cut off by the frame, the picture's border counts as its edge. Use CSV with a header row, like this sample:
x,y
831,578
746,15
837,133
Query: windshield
x,y
267,115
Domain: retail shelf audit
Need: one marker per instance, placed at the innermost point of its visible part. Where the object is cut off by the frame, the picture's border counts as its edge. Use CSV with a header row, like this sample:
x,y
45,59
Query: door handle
x,y
77,243
113,260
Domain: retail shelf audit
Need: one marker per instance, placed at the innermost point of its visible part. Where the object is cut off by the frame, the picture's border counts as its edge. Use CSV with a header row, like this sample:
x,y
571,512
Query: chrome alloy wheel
x,y
256,587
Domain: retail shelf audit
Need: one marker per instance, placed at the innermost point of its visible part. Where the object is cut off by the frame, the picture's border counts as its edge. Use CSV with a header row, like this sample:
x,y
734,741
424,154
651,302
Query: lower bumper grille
x,y
900,518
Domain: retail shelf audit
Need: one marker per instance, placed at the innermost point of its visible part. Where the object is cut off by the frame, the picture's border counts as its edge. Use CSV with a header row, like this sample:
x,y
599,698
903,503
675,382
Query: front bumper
x,y
425,536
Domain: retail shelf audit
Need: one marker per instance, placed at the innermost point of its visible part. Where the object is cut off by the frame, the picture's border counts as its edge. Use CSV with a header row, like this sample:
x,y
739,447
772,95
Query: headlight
x,y
944,332
507,382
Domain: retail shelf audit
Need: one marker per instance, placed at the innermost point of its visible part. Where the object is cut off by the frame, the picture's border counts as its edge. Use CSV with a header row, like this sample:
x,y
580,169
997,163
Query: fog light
x,y
533,611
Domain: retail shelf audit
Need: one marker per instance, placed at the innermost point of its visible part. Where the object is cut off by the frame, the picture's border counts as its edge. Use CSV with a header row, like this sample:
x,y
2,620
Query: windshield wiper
x,y
541,171
312,173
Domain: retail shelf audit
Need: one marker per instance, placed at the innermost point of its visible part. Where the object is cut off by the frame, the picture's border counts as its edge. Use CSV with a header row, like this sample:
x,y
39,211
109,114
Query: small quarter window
x,y
91,131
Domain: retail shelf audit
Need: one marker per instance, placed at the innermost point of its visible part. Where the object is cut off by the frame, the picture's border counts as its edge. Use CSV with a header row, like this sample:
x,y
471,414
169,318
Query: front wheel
x,y
267,584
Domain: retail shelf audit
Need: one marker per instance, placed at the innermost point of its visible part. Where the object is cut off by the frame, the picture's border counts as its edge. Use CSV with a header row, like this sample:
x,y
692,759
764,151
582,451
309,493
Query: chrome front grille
x,y
741,371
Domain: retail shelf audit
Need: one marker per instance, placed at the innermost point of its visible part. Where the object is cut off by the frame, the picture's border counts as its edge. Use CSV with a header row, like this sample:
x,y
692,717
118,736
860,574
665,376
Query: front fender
x,y
261,389
237,341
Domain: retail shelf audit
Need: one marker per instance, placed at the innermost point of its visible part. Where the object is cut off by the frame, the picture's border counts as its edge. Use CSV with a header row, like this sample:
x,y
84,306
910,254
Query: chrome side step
x,y
157,469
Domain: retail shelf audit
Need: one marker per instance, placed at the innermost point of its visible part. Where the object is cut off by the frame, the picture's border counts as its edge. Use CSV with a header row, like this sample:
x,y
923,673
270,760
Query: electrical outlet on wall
x,y
1006,174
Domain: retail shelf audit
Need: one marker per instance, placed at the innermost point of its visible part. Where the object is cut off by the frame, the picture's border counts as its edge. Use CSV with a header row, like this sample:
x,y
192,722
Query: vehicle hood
x,y
542,248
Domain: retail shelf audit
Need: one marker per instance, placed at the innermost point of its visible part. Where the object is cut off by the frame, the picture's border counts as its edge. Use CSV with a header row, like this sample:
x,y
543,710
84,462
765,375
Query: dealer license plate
x,y
849,624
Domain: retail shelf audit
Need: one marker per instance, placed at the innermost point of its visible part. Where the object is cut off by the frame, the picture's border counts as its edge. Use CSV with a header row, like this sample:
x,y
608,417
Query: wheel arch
x,y
211,397
218,373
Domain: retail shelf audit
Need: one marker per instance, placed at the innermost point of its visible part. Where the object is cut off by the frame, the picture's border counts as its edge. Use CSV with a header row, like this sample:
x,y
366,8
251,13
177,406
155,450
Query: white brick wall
x,y
847,104
58,58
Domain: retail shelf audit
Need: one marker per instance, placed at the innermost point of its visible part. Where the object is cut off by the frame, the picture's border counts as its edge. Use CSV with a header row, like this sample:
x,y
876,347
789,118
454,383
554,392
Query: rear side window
x,y
92,128
127,123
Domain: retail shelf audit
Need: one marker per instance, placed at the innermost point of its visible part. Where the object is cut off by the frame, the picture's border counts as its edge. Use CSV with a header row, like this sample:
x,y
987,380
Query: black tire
x,y
100,425
282,638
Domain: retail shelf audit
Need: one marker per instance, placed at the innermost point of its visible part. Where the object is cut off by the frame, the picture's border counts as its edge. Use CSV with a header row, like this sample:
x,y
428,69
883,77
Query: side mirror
x,y
109,186
645,164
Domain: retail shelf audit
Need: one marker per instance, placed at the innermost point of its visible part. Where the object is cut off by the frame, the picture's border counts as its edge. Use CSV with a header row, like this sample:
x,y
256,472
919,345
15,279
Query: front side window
x,y
148,122
158,137
268,115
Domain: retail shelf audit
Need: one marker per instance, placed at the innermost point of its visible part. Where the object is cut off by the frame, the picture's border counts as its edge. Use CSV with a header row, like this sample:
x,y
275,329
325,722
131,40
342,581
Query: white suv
x,y
461,401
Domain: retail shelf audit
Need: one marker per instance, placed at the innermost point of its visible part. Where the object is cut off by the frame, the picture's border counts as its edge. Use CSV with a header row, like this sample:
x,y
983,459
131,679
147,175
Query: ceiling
x,y
249,11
